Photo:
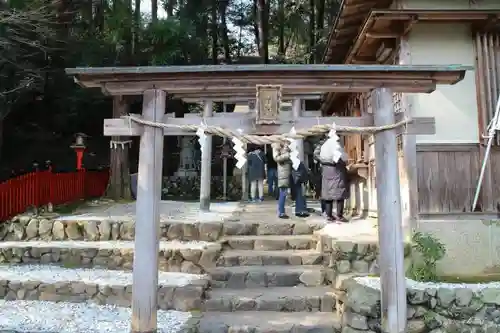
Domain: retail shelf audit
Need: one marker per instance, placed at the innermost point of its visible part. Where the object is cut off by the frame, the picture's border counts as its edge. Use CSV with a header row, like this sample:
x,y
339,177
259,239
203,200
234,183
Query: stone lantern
x,y
79,147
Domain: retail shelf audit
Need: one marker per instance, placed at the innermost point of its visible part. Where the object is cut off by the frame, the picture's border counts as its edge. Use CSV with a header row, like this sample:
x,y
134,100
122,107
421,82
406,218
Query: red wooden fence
x,y
42,187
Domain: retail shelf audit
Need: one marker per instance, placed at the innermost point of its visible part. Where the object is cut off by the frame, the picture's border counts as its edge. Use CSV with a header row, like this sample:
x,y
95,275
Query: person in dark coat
x,y
272,174
299,178
317,174
334,185
256,161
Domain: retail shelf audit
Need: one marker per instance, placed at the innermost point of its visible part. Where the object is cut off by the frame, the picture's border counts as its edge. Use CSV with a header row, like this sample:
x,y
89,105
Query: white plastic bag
x,y
328,150
332,151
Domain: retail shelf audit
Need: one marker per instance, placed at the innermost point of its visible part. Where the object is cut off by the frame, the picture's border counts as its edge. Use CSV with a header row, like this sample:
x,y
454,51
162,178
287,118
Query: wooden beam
x,y
383,53
437,15
418,126
348,30
246,122
146,244
360,7
392,272
206,162
246,89
382,35
235,99
352,18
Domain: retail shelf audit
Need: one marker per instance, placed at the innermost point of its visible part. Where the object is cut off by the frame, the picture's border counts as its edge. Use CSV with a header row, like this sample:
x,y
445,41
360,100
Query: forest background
x,y
41,108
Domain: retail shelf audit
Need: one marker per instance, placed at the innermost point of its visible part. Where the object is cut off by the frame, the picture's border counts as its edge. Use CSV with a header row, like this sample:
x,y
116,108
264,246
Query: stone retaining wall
x,y
353,257
27,227
432,308
187,260
350,257
182,298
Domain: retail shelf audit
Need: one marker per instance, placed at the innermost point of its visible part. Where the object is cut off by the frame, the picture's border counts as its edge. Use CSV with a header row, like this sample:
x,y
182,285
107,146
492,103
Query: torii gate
x,y
222,83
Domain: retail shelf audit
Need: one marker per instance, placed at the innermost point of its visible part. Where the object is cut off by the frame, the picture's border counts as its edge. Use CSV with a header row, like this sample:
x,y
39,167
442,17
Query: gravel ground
x,y
61,317
106,245
52,274
356,230
374,282
169,210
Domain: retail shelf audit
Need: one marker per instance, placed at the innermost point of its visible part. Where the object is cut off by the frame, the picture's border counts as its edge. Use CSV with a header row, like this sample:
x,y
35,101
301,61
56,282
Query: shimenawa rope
x,y
268,139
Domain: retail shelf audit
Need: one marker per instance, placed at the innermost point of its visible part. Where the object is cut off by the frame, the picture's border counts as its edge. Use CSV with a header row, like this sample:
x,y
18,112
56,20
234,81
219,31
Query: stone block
x,y
181,298
183,259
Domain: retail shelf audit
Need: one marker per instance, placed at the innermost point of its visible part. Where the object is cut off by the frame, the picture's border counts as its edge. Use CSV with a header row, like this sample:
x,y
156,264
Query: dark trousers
x,y
328,205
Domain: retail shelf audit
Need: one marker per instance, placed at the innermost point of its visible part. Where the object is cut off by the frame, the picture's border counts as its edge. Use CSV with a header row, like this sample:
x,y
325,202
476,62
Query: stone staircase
x,y
250,273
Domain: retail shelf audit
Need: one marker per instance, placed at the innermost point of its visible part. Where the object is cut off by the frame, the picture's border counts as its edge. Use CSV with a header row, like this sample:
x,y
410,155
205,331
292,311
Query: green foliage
x,y
430,250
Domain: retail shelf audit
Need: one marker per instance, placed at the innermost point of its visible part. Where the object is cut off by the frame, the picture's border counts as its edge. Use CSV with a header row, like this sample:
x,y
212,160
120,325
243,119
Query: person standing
x,y
334,184
272,174
317,178
281,154
256,172
299,178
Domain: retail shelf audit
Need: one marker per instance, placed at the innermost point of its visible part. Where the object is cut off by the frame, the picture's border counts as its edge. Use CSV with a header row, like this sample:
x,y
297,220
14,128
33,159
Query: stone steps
x,y
241,277
286,299
105,229
271,242
268,321
174,256
231,258
178,291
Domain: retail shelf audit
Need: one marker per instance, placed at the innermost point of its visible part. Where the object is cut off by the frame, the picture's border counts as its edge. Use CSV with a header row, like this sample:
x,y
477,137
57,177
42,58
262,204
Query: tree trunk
x,y
170,7
137,25
320,25
262,13
312,32
154,11
281,34
128,35
90,18
214,32
224,32
99,15
256,23
119,181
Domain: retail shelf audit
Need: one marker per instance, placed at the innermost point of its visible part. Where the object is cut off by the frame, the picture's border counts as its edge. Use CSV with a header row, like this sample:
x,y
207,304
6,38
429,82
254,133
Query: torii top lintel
x,y
228,81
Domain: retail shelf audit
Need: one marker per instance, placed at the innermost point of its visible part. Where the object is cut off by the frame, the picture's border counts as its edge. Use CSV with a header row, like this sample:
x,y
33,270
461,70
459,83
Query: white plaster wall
x,y
454,107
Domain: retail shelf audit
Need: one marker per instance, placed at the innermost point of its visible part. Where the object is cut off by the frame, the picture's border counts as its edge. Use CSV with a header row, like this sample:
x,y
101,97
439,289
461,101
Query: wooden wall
x,y
448,175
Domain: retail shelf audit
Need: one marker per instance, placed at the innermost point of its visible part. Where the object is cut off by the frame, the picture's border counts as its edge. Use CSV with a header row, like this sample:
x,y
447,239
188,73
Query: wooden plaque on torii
x,y
268,104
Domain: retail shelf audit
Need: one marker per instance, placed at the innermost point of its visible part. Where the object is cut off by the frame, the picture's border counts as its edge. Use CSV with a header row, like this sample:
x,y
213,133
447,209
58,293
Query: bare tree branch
x,y
26,38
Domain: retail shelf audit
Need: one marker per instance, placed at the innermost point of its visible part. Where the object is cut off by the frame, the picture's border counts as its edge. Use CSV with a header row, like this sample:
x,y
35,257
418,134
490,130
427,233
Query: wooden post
x,y
390,231
297,112
410,215
147,226
224,162
206,163
119,180
244,181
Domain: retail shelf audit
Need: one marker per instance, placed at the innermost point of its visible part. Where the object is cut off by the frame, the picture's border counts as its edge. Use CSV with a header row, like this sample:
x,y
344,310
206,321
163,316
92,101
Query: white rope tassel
x,y
122,144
